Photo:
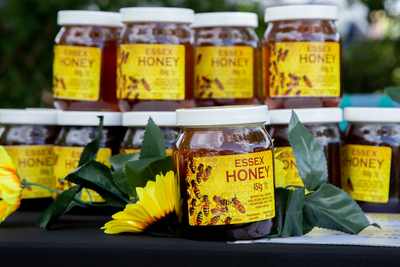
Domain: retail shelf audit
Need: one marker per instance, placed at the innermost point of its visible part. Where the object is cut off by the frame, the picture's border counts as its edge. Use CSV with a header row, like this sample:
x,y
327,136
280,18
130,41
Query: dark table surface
x,y
77,240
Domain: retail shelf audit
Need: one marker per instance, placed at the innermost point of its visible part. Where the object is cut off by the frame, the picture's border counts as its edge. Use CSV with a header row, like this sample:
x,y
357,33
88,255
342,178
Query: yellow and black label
x,y
285,154
34,164
76,72
151,71
230,189
67,160
137,150
304,69
366,172
224,72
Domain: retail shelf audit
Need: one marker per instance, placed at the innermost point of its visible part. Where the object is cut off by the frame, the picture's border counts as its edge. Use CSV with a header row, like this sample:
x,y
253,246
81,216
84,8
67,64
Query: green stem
x,y
82,203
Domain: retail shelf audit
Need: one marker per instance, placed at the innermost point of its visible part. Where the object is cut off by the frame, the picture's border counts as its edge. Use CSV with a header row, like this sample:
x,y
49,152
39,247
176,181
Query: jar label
x,y
285,154
76,72
230,189
137,150
151,71
67,160
306,69
34,164
224,72
366,172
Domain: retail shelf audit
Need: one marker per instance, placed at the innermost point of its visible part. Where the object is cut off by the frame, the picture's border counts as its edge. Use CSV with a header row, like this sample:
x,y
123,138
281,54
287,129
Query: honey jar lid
x,y
139,118
29,117
298,12
372,114
89,118
215,19
307,115
220,116
91,18
157,14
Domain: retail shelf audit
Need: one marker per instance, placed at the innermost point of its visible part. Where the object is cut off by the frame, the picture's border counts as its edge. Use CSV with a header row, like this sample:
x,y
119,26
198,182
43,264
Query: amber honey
x,y
226,59
155,59
302,57
85,63
225,167
370,158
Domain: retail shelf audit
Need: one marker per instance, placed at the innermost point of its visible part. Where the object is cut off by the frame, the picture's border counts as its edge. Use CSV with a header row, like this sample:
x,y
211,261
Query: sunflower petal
x,y
148,203
119,226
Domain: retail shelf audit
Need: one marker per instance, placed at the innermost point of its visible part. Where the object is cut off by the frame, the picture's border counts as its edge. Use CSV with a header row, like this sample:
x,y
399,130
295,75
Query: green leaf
x,y
153,145
139,172
57,207
91,149
118,163
293,224
281,199
331,208
98,177
393,92
310,158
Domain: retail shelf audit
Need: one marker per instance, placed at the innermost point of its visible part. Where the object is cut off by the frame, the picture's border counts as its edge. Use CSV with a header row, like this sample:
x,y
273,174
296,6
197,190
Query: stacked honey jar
x,y
146,62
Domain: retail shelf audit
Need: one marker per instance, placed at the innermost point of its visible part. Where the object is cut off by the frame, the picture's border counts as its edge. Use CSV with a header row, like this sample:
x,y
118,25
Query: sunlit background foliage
x,y
371,55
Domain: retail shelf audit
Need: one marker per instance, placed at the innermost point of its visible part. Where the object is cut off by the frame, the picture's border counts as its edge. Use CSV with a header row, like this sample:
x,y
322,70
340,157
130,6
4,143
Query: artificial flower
x,y
157,207
280,173
10,186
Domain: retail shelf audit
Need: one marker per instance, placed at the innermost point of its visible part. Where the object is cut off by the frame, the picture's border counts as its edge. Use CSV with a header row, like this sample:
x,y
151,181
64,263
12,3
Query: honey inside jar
x,y
225,168
85,63
302,57
226,59
370,158
155,59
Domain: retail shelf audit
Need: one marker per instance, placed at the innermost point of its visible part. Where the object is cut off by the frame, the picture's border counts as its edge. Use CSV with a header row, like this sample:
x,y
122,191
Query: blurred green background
x,y
371,58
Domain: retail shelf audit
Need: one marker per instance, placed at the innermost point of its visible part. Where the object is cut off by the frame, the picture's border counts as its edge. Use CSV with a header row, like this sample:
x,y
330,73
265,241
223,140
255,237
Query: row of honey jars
x,y
169,58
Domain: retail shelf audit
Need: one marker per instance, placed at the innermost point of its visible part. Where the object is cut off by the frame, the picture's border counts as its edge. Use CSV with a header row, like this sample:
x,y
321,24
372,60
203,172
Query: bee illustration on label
x,y
124,58
219,210
214,220
275,67
192,207
206,79
128,94
124,82
273,48
55,82
288,91
200,173
228,220
307,81
272,81
199,59
238,205
205,86
133,80
28,187
63,84
219,84
294,77
199,218
201,93
210,95
277,90
298,92
222,201
207,173
282,79
292,84
145,85
279,54
206,205
132,87
350,184
284,55
191,164
196,189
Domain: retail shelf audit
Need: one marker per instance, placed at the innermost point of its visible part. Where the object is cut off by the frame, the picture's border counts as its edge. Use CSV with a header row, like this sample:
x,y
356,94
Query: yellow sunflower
x,y
10,186
157,207
280,173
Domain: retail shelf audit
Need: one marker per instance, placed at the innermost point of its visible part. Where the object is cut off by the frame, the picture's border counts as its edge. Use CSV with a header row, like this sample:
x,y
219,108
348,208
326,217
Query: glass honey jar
x,y
323,124
85,60
226,59
155,59
136,122
302,64
28,137
370,158
225,163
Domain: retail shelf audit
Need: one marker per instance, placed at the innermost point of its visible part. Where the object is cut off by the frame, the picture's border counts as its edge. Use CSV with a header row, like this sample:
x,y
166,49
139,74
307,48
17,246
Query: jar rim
x,y
307,115
371,114
157,14
222,116
141,118
29,116
299,12
89,118
89,18
220,19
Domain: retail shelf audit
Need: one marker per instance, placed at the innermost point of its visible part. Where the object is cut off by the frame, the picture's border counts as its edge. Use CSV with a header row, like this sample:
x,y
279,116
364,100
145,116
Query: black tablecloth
x,y
77,240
